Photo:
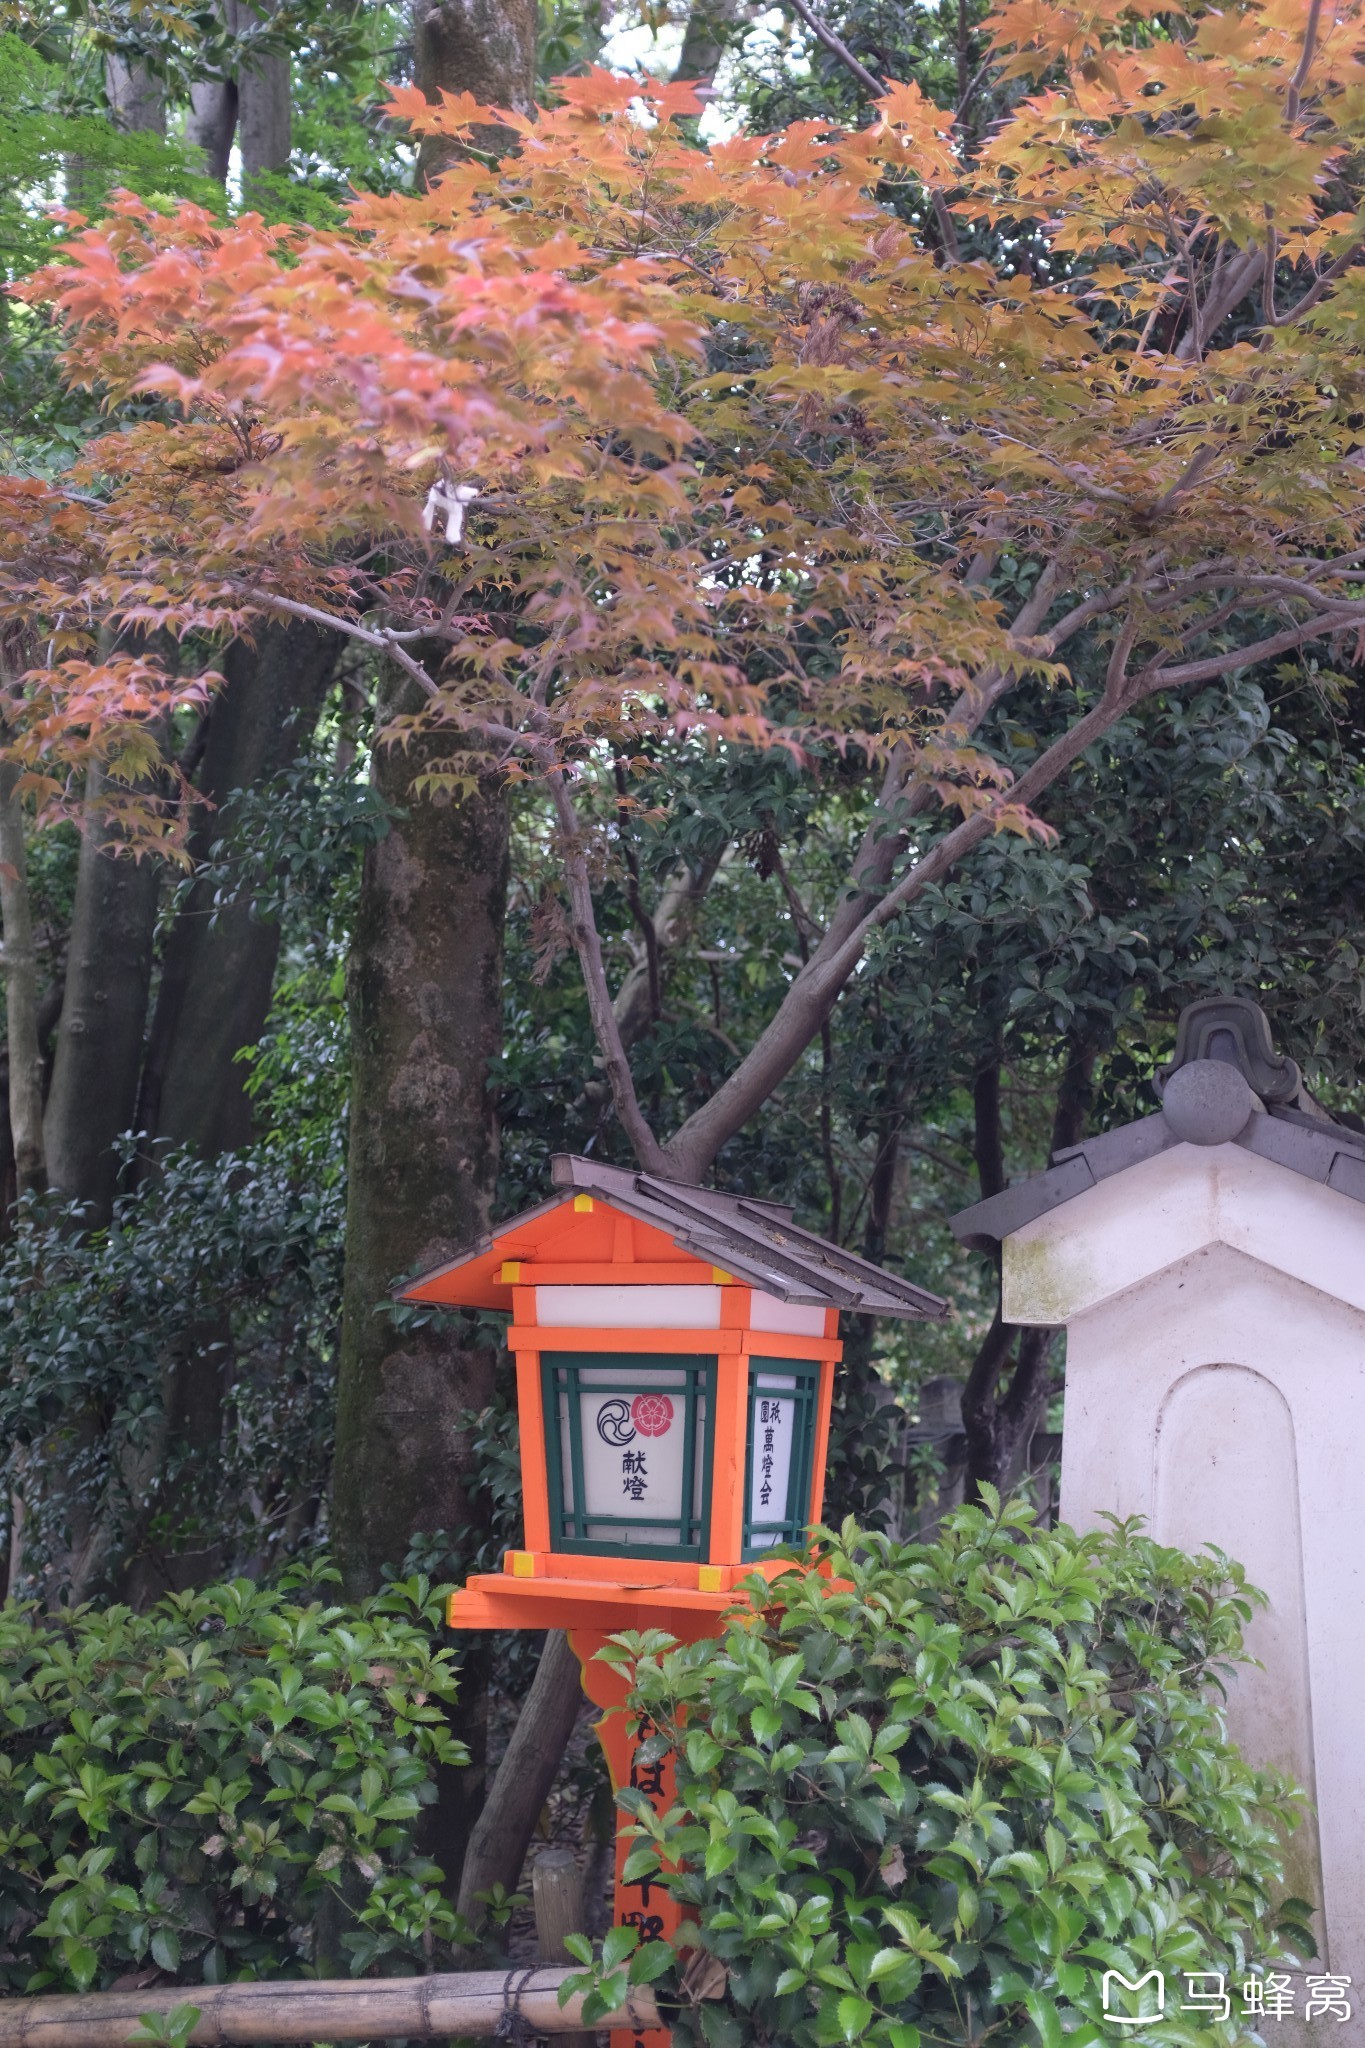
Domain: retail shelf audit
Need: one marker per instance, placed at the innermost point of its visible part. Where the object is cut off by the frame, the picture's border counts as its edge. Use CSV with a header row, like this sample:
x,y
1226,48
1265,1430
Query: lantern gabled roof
x,y
1225,1085
749,1240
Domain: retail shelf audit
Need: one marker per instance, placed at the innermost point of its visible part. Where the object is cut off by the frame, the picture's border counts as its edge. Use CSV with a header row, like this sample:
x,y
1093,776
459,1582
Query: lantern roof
x,y
1226,1084
736,1235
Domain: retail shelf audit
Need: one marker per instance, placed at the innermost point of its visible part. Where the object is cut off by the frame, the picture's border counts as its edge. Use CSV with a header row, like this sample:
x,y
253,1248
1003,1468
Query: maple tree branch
x,y
1294,96
1210,667
806,927
1325,278
837,47
588,946
1227,577
883,837
672,919
1080,615
1272,257
1194,471
969,92
1104,494
644,922
1116,673
369,636
868,80
947,226
813,993
1238,276
815,990
1172,277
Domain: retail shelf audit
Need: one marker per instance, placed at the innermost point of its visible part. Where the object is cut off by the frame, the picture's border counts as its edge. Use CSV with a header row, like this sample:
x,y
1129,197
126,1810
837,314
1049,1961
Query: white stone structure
x,y
1208,1264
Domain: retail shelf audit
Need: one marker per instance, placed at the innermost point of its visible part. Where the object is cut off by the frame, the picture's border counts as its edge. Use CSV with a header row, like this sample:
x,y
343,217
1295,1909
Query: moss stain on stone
x,y
1043,1281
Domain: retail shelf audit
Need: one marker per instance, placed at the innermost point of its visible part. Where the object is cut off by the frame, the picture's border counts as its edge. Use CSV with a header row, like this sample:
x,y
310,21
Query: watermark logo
x,y
1109,1986
1267,1996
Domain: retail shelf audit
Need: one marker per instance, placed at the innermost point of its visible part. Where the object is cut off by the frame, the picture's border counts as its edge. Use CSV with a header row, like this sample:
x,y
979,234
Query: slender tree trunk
x,y
219,971
863,1436
1007,1387
525,1777
217,978
25,1078
94,1090
101,1012
21,993
212,122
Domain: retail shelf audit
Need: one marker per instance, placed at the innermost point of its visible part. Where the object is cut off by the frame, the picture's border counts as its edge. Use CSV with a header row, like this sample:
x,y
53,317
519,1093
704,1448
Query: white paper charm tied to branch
x,y
452,499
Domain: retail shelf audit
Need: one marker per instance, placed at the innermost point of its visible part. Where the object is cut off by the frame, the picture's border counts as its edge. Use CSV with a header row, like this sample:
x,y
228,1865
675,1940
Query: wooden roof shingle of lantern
x,y
675,1352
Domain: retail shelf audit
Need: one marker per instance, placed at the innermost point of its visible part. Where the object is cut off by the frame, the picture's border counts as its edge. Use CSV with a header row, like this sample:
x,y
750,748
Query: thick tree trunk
x,y
21,993
94,1090
485,47
137,100
426,998
137,104
711,26
263,110
426,1020
218,972
525,1777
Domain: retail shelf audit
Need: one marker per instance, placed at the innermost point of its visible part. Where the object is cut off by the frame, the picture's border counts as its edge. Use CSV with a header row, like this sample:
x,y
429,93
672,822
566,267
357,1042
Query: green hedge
x,y
936,1806
225,1787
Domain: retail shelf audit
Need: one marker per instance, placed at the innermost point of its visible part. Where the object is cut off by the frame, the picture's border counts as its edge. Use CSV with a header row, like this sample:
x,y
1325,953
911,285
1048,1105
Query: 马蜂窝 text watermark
x,y
1208,1993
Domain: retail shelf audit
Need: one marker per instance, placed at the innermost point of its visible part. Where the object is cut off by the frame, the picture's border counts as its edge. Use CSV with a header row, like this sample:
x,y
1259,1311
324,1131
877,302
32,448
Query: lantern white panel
x,y
788,1318
633,1442
770,1454
629,1308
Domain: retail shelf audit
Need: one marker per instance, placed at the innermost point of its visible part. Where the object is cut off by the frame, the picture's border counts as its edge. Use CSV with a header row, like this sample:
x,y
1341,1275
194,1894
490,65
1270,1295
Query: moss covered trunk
x,y
426,1018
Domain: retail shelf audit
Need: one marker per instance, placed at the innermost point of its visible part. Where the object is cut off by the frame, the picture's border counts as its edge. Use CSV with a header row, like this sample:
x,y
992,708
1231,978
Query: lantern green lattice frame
x,y
791,1525
627,1373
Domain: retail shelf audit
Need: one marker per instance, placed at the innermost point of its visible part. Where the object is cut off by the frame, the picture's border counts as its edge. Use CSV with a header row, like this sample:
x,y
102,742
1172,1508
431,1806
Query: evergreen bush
x,y
226,1787
932,1793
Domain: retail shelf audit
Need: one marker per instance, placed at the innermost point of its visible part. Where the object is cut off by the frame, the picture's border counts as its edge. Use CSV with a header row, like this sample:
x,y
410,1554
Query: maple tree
x,y
740,438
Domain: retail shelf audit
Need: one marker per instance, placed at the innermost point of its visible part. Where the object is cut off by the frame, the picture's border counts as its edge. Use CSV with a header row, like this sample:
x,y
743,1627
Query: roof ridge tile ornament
x,y
1225,1085
1235,1031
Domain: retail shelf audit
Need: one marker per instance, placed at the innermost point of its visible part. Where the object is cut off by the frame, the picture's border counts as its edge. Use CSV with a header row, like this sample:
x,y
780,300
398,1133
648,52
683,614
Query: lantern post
x,y
675,1352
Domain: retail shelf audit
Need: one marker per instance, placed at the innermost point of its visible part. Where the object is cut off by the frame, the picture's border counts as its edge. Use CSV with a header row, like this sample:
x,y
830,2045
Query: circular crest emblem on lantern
x,y
652,1414
614,1424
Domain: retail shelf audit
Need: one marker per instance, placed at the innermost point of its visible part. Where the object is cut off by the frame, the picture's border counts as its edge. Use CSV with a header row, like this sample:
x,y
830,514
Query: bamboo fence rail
x,y
472,2004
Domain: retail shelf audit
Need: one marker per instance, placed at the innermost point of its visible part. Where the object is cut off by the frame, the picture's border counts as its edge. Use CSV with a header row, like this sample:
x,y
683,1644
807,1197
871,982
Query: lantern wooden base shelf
x,y
553,1595
494,1601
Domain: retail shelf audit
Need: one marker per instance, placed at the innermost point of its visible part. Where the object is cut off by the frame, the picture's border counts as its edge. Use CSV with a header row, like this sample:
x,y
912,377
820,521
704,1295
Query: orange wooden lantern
x,y
675,1354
